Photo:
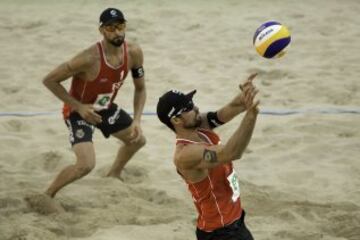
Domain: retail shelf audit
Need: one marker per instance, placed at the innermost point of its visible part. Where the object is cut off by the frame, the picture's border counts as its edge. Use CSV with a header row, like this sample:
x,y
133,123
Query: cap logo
x,y
176,92
113,13
171,112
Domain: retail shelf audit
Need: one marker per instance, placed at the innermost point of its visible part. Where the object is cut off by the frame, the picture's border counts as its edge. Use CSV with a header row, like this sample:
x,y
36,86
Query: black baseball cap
x,y
173,103
111,15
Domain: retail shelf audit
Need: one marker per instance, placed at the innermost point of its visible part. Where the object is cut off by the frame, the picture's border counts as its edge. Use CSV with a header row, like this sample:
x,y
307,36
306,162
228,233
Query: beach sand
x,y
299,176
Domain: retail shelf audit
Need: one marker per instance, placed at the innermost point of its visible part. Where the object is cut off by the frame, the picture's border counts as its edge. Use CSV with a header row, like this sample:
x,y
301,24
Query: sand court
x,y
299,177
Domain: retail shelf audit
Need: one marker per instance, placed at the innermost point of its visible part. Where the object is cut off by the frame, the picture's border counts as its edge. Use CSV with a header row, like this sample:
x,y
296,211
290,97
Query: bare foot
x,y
43,204
115,176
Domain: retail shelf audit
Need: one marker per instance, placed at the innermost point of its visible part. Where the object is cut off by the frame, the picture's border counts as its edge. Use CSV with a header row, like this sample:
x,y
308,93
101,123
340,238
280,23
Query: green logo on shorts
x,y
104,100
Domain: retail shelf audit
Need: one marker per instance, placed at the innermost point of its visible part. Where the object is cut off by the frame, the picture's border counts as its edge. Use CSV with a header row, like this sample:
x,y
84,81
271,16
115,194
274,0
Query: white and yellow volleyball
x,y
271,39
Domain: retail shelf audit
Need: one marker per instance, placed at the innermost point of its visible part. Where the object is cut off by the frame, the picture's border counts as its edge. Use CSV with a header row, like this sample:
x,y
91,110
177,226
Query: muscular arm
x,y
203,157
74,66
236,106
139,82
231,110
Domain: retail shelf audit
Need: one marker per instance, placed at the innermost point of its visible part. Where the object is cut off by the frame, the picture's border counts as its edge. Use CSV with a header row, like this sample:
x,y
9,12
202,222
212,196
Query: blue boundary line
x,y
275,112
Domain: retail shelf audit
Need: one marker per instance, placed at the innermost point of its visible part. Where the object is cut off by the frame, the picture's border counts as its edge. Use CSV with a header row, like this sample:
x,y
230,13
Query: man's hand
x,y
248,92
248,83
241,98
242,101
254,108
248,97
136,132
87,112
249,100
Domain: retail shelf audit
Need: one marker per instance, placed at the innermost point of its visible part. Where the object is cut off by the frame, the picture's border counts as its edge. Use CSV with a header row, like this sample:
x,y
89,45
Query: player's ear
x,y
175,121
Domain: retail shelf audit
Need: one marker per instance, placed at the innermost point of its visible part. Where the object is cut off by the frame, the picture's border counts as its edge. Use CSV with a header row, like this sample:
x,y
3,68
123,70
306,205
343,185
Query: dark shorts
x,y
114,119
235,231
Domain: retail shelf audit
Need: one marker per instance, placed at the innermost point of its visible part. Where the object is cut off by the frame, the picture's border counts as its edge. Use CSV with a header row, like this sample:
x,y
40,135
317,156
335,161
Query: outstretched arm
x,y
203,157
233,108
238,104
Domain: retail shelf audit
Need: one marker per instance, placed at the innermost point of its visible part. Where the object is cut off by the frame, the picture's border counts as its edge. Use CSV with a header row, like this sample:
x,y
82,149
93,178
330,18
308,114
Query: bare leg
x,y
85,155
125,152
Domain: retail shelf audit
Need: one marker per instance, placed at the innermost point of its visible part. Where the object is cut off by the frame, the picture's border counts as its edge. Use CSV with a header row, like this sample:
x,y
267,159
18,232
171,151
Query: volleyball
x,y
271,39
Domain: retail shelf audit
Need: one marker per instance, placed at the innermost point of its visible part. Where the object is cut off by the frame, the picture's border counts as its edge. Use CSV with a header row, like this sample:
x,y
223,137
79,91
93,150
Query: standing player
x,y
97,74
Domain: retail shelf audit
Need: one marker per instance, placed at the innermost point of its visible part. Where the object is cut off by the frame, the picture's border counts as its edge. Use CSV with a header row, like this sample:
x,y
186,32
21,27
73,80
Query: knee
x,y
138,144
141,143
85,168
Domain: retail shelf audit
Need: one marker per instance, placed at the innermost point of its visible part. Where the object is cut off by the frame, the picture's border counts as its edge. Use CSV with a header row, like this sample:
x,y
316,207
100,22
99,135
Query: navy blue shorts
x,y
114,119
235,231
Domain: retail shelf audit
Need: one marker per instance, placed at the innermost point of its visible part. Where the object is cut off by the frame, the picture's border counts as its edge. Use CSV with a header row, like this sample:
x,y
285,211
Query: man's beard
x,y
194,125
117,42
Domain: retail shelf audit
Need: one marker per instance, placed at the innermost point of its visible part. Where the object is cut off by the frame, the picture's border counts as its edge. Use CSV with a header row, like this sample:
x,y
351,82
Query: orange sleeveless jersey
x,y
103,89
217,197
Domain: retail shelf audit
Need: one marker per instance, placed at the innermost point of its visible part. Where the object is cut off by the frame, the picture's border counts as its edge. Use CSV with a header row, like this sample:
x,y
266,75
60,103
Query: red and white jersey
x,y
101,91
217,197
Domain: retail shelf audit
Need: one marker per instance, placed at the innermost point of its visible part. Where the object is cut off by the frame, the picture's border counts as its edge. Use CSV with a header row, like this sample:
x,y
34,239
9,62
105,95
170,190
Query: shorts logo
x,y
83,123
71,135
114,117
79,133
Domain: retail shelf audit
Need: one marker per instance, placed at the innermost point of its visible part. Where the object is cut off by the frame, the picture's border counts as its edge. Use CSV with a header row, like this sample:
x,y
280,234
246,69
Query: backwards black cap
x,y
111,15
171,104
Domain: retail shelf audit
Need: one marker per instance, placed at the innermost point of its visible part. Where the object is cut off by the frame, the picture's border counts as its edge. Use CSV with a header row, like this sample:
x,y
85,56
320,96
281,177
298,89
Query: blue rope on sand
x,y
26,114
312,110
276,112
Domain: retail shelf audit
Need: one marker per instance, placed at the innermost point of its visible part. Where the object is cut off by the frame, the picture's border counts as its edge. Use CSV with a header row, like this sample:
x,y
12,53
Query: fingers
x,y
249,96
135,135
252,77
136,139
248,82
96,117
92,117
255,106
257,103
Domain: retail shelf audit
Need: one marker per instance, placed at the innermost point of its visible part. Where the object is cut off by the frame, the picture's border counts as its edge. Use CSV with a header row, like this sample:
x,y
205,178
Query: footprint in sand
x,y
15,125
134,174
8,202
50,160
130,174
43,204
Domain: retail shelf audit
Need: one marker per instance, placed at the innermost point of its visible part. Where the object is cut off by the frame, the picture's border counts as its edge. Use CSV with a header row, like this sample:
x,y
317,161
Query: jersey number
x,y
234,184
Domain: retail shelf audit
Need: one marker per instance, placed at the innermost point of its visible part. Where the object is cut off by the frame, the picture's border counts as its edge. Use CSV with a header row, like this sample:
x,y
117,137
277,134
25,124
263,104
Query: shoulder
x,y
188,156
135,53
133,47
92,54
179,154
86,57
